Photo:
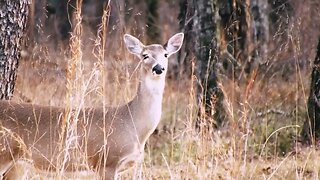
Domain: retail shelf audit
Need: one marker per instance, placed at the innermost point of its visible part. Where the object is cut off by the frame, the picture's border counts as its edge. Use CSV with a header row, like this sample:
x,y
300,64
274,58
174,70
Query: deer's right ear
x,y
133,44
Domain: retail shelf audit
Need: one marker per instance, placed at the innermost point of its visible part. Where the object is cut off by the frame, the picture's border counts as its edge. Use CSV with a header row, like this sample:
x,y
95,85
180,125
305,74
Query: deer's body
x,y
111,139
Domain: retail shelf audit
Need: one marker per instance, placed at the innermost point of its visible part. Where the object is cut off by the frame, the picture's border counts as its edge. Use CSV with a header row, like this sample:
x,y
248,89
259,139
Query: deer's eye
x,y
145,56
166,55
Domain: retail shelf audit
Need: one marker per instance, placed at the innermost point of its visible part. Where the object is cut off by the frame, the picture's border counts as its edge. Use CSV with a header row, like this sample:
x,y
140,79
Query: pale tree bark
x,y
212,111
259,30
13,19
311,128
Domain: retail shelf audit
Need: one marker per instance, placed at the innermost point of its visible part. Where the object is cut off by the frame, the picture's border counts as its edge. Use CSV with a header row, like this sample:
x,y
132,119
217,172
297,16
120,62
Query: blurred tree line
x,y
233,33
238,33
240,37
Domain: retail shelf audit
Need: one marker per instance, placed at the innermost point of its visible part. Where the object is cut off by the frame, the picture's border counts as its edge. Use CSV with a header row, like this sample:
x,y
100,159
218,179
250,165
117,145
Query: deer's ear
x,y
133,44
174,43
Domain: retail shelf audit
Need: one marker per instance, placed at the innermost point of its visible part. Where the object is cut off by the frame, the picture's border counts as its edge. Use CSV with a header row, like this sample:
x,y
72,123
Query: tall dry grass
x,y
260,141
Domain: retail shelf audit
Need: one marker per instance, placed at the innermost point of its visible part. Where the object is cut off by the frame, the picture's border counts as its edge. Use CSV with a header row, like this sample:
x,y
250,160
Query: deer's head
x,y
154,57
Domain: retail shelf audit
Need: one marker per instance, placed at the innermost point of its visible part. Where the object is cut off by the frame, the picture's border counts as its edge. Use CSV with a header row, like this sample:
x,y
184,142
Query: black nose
x,y
157,69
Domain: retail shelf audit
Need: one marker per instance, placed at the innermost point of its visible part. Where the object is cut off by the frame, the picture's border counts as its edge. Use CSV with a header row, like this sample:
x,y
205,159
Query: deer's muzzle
x,y
157,69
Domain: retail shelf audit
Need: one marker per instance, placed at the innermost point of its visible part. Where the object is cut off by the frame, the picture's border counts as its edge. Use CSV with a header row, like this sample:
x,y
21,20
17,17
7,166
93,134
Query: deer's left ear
x,y
174,43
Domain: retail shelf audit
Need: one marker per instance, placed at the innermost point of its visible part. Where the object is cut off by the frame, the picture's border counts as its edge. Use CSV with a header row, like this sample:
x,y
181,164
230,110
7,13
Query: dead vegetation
x,y
261,141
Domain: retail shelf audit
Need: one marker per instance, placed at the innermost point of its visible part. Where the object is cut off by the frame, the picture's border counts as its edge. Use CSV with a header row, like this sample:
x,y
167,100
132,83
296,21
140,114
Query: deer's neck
x,y
152,87
147,106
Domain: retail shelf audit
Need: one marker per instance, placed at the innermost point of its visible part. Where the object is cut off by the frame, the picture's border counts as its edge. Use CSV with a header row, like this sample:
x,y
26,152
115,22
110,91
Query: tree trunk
x,y
311,129
37,18
259,11
258,35
210,96
184,66
235,35
152,30
239,30
257,39
13,19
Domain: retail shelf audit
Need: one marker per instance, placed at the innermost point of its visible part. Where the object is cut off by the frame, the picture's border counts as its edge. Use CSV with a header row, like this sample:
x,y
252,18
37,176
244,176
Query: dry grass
x,y
259,142
265,150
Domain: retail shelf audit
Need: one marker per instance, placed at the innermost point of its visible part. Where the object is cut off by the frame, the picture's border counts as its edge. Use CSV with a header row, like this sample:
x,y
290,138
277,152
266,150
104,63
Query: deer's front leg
x,y
108,173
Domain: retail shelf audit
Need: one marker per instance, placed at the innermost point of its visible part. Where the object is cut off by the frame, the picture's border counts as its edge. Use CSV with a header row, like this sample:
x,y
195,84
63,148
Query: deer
x,y
115,137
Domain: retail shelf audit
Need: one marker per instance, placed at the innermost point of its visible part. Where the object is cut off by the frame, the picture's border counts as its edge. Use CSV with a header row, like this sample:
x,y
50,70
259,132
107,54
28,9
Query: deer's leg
x,y
17,171
7,160
4,167
138,171
108,173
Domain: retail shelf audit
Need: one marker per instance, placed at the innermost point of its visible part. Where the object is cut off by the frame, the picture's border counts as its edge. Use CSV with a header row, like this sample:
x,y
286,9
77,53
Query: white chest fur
x,y
153,90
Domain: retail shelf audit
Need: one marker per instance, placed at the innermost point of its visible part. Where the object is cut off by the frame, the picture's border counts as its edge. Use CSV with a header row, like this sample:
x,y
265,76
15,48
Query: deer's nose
x,y
157,69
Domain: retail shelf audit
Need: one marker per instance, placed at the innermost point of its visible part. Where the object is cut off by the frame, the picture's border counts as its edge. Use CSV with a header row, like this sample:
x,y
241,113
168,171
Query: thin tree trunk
x,y
186,15
153,34
37,18
240,30
210,96
13,19
235,34
257,39
311,129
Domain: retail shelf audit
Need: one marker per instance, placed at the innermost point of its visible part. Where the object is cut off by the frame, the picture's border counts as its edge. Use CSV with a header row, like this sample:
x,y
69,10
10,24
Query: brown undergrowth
x,y
261,140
